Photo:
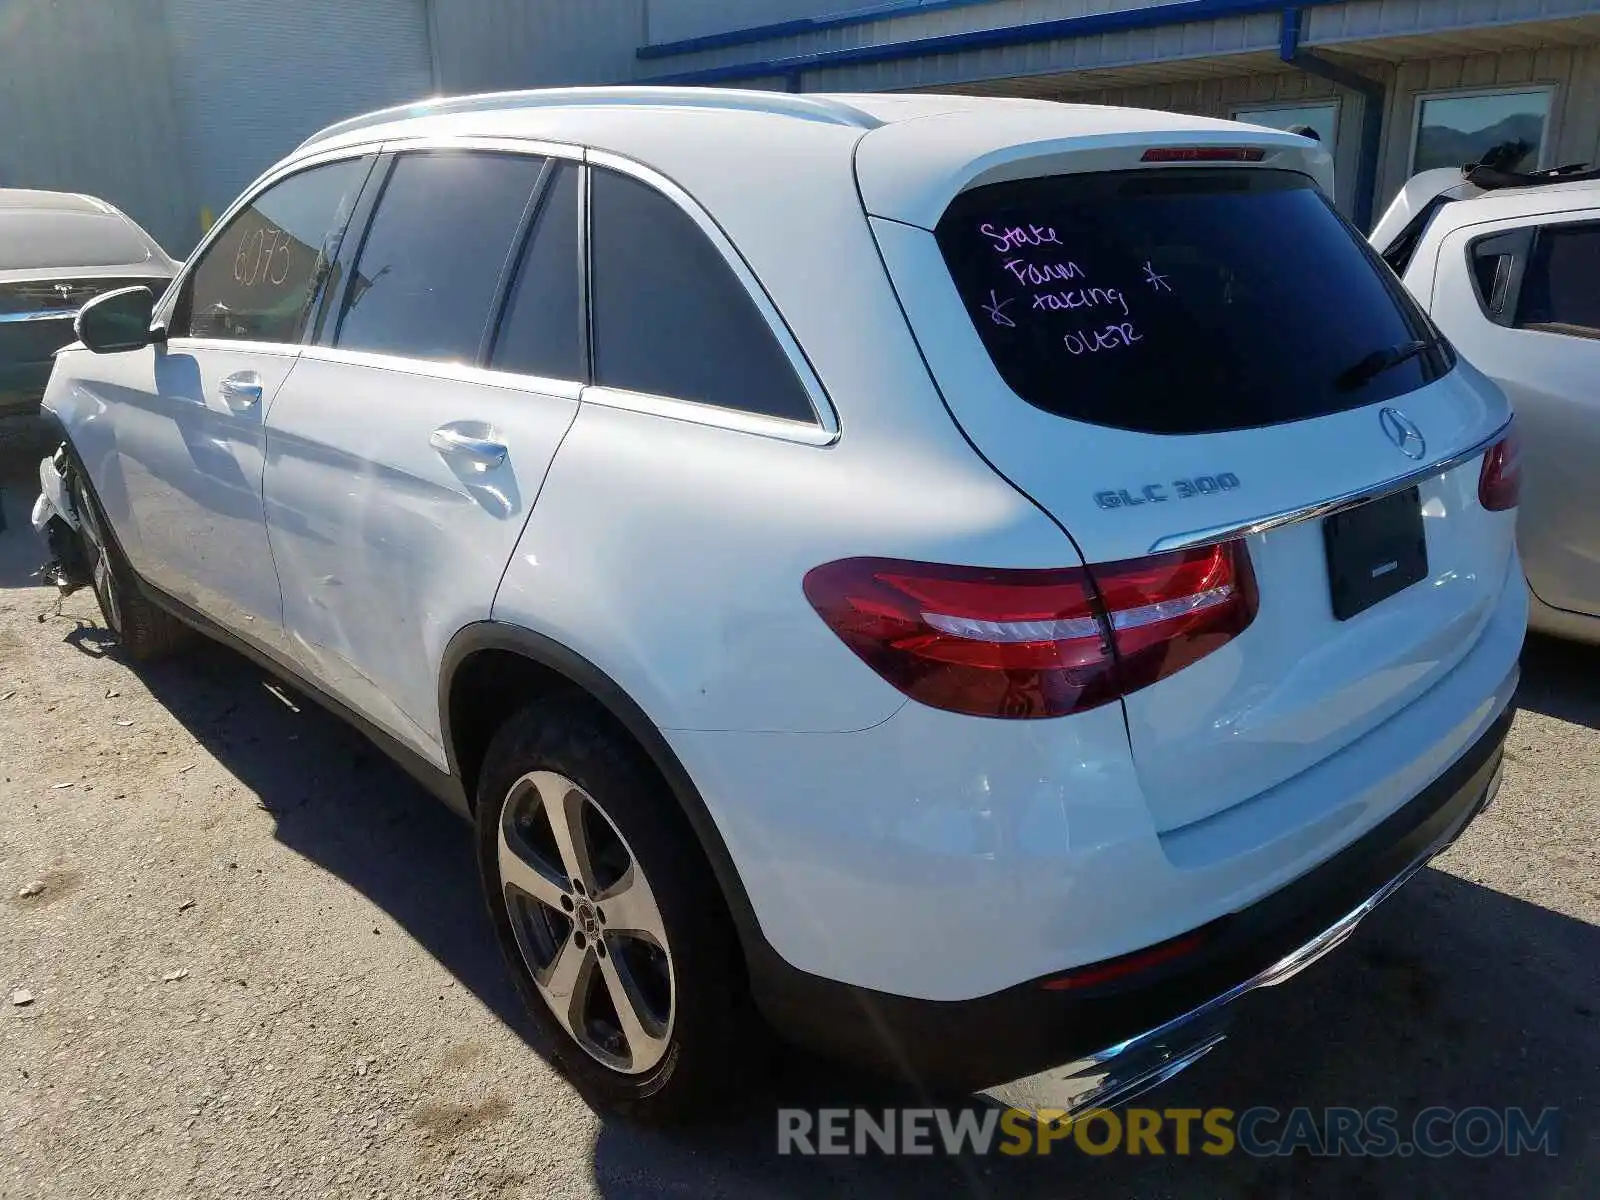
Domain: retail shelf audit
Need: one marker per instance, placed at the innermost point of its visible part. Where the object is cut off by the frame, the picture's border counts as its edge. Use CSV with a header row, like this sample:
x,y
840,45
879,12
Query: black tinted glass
x,y
1562,284
1181,300
259,279
670,316
542,332
430,268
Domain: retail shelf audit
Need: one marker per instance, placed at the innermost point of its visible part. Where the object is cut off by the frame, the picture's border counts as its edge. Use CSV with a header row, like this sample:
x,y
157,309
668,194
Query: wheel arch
x,y
489,663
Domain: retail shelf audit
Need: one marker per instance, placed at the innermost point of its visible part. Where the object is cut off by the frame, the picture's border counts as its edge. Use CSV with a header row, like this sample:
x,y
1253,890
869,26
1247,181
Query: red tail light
x,y
1204,154
1031,643
1500,482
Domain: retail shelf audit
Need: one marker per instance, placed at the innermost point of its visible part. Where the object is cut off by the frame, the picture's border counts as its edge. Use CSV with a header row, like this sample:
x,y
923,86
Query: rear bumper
x,y
1116,1039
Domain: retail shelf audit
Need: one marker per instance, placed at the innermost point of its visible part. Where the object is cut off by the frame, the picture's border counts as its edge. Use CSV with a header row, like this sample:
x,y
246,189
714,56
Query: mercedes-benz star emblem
x,y
1403,432
64,290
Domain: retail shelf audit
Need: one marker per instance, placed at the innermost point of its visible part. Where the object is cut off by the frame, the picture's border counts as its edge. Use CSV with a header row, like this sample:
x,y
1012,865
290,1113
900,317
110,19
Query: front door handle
x,y
241,391
481,450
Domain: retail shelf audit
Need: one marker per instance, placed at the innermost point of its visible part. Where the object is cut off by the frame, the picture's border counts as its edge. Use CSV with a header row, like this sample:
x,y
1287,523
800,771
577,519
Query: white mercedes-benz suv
x,y
974,585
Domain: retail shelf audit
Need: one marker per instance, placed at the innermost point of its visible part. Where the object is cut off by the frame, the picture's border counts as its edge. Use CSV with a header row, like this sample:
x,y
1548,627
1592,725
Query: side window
x,y
542,331
669,315
258,280
431,265
1561,287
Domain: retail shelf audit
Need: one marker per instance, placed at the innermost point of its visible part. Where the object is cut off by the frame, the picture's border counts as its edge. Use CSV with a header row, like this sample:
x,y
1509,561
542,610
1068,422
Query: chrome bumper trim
x,y
1325,508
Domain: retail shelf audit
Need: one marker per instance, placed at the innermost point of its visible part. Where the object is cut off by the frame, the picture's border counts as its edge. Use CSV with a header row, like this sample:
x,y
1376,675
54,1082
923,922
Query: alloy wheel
x,y
100,573
586,922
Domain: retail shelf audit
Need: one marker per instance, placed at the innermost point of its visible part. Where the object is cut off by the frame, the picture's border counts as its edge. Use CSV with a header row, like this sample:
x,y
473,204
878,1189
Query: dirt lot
x,y
259,966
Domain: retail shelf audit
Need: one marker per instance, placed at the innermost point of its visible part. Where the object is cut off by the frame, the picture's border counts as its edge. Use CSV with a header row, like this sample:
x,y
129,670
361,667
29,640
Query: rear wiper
x,y
1376,363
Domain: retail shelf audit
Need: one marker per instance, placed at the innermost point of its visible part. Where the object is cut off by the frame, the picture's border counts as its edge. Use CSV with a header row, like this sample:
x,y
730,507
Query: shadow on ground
x,y
1561,680
1451,995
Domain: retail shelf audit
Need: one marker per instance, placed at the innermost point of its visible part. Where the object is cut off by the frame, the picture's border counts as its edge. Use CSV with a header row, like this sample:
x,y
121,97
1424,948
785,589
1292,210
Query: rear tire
x,y
601,897
143,631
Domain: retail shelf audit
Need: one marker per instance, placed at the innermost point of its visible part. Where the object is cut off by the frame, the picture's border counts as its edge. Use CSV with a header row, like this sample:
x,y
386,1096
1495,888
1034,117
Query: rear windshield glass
x,y
40,239
1182,300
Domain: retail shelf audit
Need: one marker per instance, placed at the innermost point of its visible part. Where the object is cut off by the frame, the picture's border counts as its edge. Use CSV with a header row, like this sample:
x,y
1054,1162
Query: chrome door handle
x,y
241,391
481,452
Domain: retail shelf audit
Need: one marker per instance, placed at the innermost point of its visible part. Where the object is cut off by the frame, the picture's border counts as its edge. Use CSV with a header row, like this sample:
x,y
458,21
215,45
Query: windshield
x,y
1183,300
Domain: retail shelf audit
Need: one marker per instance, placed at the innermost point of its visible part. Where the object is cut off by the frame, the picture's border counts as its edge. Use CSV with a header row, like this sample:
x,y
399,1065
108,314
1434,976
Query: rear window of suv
x,y
1180,301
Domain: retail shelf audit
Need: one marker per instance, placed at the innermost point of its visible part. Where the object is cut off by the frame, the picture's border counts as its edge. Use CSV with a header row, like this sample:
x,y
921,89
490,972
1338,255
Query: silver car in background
x,y
59,250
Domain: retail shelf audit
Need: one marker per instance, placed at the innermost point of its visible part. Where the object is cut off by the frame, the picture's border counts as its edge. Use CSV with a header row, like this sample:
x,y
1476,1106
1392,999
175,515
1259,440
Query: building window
x,y
1322,119
1454,130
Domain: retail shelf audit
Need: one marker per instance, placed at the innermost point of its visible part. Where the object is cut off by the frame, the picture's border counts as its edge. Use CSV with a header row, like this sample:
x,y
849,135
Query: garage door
x,y
254,80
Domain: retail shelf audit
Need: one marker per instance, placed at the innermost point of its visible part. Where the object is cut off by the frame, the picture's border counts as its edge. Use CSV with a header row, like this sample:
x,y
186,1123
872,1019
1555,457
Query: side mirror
x,y
117,321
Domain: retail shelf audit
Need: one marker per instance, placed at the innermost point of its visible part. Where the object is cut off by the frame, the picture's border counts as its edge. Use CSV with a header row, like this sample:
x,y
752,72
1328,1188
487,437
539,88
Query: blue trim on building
x,y
1179,12
765,33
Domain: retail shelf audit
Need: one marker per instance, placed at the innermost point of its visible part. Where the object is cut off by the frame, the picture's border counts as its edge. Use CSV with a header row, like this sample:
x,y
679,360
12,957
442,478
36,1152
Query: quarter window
x,y
542,332
1561,287
260,277
670,316
432,262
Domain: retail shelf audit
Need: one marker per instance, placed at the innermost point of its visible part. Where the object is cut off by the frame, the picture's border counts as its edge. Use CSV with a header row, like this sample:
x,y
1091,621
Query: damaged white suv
x,y
973,585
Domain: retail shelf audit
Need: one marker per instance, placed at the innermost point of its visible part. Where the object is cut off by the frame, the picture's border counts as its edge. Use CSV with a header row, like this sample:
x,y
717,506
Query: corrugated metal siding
x,y
1361,19
1195,39
899,28
252,83
86,91
674,19
494,45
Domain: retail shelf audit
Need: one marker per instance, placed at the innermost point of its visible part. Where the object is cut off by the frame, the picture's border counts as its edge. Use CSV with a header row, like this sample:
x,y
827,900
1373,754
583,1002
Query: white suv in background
x,y
966,583
1509,267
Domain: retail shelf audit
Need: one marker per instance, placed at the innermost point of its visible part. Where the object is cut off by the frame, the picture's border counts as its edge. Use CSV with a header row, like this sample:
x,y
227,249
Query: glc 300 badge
x,y
1157,493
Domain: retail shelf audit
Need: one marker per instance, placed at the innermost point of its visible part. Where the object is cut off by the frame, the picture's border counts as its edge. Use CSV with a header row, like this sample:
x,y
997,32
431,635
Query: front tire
x,y
143,631
614,930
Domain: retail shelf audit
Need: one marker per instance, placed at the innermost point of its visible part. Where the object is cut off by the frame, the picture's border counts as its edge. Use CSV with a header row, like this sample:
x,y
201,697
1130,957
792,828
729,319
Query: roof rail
x,y
1492,178
812,108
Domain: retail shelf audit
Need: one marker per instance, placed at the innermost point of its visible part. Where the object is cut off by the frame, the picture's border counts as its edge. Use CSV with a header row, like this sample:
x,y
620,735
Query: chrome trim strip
x,y
237,345
803,432
459,372
1325,508
821,404
401,144
47,314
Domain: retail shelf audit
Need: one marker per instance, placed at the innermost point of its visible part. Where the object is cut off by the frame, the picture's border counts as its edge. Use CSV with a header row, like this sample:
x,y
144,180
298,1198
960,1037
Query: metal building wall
x,y
252,82
86,105
494,45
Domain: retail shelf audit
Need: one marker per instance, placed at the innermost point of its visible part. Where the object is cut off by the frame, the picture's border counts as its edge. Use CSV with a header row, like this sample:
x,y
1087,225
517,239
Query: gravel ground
x,y
259,966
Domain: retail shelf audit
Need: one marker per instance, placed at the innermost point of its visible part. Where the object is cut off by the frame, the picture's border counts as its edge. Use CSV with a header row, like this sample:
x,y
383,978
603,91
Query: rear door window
x,y
1183,301
431,266
670,317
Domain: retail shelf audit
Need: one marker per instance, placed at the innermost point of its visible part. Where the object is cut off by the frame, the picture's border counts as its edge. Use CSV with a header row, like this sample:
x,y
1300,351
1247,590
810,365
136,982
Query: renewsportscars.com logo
x,y
1437,1132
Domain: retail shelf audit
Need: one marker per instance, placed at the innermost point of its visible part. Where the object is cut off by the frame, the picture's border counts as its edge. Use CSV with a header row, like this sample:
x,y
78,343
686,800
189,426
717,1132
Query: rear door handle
x,y
241,391
481,451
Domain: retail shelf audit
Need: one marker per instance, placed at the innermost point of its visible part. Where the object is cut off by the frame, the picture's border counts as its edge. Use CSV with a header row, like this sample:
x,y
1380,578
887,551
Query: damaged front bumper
x,y
55,520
